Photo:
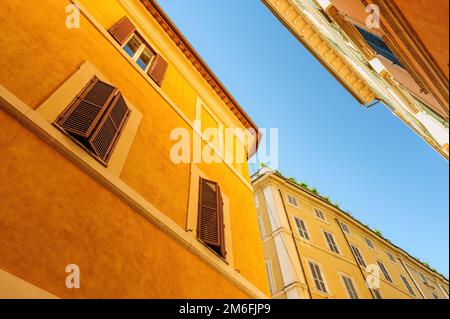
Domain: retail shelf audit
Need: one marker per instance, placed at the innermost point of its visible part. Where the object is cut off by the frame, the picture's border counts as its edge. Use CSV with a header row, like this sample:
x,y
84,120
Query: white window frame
x,y
345,228
352,283
391,257
319,266
407,285
262,231
320,214
292,200
256,200
269,270
357,253
139,52
303,230
386,273
333,242
371,245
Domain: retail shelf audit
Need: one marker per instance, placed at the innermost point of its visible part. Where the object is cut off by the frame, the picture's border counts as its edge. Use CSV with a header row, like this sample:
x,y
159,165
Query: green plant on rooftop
x,y
378,232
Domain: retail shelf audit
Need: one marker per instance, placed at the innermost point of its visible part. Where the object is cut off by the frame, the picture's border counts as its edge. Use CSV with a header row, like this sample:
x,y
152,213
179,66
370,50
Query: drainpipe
x,y
296,246
354,258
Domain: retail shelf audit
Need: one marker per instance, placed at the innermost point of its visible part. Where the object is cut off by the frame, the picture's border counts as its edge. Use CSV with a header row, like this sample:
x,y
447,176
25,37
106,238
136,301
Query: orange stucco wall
x,y
53,214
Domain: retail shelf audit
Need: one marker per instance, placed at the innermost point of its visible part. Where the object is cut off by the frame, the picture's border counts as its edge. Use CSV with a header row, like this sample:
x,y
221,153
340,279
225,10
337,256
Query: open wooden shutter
x,y
210,227
158,70
83,114
122,30
107,132
222,250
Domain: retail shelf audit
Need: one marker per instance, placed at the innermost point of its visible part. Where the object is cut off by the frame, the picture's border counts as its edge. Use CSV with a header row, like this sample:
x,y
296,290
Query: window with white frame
x,y
292,200
391,257
345,228
407,285
318,279
261,226
270,276
256,200
301,228
369,243
358,256
350,287
424,279
139,52
331,242
376,293
384,271
319,214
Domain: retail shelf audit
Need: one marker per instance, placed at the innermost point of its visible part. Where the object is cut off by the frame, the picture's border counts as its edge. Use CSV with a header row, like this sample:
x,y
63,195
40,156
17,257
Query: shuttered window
x,y
331,242
292,200
95,118
301,228
319,214
348,282
317,277
407,285
345,228
376,293
124,32
384,271
369,243
391,257
210,228
358,256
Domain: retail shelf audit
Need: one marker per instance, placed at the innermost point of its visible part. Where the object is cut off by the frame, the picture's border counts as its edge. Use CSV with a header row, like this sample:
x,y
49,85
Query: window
x,y
391,257
378,45
124,32
407,285
256,201
345,228
424,279
210,228
348,282
292,200
95,119
317,277
376,293
319,214
384,271
270,276
301,228
358,256
331,242
261,226
369,243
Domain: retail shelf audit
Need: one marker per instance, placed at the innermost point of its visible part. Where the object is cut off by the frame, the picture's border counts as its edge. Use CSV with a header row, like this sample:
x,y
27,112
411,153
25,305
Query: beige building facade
x,y
314,250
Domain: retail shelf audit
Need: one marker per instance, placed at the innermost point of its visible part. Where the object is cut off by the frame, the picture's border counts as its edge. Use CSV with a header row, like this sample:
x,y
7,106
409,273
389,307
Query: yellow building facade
x,y
90,95
314,250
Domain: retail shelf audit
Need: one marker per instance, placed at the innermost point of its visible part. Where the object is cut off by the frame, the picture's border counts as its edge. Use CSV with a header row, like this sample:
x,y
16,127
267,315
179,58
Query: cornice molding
x,y
200,65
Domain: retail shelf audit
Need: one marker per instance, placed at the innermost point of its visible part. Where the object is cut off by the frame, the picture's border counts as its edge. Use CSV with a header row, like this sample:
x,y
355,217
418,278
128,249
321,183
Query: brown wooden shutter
x,y
122,30
210,227
107,132
158,70
222,250
83,114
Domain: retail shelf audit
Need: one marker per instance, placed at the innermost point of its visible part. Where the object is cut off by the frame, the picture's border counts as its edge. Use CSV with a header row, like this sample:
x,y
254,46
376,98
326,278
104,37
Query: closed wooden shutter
x,y
158,70
83,114
210,227
122,30
106,134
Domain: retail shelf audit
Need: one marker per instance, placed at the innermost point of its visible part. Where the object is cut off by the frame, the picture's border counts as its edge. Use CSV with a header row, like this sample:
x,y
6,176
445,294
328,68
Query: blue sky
x,y
366,160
